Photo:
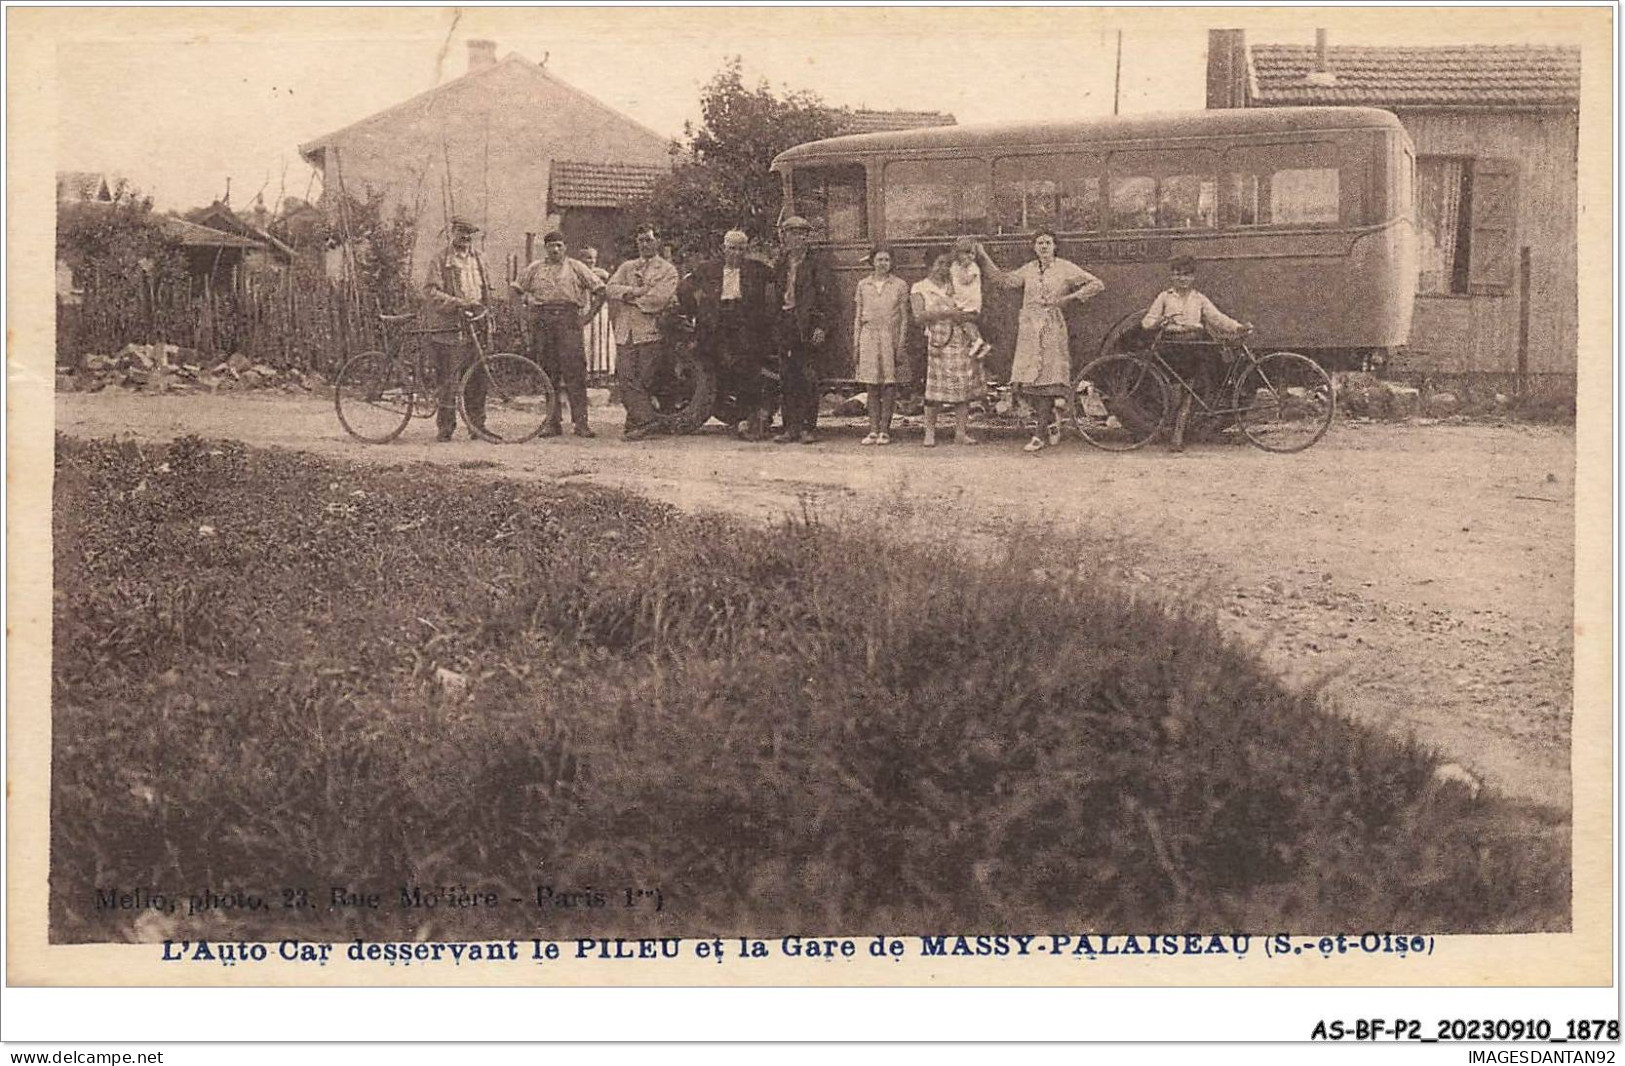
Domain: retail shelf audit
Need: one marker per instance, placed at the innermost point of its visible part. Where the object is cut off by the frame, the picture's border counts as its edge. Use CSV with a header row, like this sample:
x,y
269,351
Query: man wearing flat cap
x,y
730,299
561,296
456,285
803,291
640,290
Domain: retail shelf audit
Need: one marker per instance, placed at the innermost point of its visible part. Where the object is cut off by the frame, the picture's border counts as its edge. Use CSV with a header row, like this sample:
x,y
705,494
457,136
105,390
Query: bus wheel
x,y
684,393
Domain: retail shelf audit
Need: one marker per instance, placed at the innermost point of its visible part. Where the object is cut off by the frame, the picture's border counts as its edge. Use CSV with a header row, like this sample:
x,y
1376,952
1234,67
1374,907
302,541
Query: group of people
x,y
763,326
947,305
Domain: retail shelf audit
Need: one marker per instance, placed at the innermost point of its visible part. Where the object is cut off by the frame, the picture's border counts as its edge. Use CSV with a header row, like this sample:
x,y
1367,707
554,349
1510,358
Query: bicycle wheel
x,y
1119,402
505,398
1284,402
373,397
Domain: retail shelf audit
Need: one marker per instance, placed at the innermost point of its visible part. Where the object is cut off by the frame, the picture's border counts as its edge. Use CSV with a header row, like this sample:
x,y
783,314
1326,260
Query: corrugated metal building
x,y
1496,130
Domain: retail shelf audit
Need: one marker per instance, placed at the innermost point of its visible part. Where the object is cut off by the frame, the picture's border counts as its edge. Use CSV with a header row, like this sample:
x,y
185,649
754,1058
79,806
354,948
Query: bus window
x,y
935,197
1282,185
1164,190
1046,192
833,200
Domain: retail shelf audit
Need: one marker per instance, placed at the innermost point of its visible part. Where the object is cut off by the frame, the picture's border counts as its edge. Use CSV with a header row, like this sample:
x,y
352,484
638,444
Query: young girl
x,y
967,278
950,373
879,325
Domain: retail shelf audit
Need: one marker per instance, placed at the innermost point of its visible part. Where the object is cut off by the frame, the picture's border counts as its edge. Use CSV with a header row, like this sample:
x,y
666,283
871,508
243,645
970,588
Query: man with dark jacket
x,y
456,284
805,296
730,300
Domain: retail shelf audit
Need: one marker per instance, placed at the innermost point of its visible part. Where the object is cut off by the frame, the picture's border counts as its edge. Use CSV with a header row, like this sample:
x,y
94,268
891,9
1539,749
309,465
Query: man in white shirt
x,y
561,296
640,290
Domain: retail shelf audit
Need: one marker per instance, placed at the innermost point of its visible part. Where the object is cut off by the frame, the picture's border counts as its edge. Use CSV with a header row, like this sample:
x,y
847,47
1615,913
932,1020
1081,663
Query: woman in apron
x,y
1042,371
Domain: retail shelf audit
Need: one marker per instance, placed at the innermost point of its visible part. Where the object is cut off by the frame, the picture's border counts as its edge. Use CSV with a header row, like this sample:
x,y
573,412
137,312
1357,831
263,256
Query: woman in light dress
x,y
951,375
1043,367
879,331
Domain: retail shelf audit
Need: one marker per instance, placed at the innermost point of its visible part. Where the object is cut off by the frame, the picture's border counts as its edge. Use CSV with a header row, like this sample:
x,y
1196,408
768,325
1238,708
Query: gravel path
x,y
1422,575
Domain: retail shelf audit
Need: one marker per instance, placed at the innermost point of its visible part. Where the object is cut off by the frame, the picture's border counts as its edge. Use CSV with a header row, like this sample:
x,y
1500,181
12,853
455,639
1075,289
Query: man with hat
x,y
456,284
730,300
640,290
561,296
803,291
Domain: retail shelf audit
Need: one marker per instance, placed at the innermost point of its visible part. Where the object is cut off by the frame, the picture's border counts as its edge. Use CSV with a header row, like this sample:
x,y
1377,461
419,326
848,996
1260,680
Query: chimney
x,y
1226,68
1322,74
482,55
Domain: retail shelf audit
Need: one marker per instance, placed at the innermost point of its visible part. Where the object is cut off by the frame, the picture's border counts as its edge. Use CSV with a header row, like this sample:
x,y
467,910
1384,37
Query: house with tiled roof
x,y
214,258
482,145
863,120
271,254
1496,179
589,200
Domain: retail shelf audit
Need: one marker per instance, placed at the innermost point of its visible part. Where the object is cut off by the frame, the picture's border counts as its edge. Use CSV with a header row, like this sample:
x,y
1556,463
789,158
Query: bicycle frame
x,y
1241,358
425,375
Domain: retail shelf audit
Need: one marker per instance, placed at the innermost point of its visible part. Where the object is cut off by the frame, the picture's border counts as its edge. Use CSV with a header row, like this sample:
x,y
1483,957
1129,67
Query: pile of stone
x,y
164,368
1365,396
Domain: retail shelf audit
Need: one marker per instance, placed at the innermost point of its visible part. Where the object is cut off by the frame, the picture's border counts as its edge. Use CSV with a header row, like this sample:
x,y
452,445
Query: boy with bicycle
x,y
1181,312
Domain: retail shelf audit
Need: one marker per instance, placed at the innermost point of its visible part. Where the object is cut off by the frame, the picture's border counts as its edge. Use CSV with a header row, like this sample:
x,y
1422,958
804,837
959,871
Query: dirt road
x,y
1423,574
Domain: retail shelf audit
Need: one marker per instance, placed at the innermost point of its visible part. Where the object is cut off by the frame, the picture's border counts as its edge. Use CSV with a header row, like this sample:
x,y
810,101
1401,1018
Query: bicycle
x,y
1281,402
379,392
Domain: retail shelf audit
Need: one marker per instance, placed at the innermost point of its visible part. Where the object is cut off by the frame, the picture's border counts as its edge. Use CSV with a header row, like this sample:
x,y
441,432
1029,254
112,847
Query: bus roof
x,y
1219,122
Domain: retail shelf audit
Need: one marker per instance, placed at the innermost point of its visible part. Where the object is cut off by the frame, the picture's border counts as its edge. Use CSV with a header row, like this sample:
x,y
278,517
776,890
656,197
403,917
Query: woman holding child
x,y
951,374
1043,367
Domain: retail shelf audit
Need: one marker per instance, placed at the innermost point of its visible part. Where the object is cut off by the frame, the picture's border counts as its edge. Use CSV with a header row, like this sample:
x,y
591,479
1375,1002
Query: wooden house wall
x,y
1468,333
605,228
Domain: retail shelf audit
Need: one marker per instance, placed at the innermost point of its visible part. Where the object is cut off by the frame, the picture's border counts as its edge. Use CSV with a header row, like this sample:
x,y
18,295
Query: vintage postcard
x,y
825,496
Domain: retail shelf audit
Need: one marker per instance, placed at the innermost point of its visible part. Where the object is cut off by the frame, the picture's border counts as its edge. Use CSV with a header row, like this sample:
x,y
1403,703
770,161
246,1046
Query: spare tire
x,y
684,391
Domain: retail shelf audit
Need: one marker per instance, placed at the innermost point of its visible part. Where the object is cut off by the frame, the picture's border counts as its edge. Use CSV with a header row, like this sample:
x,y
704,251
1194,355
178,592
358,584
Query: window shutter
x,y
1493,251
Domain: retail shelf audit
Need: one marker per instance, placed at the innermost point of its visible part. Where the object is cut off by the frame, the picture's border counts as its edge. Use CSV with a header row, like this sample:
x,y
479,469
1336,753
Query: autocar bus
x,y
1302,218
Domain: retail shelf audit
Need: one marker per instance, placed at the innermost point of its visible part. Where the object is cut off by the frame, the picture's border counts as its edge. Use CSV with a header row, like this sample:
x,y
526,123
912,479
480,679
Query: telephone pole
x,y
1117,82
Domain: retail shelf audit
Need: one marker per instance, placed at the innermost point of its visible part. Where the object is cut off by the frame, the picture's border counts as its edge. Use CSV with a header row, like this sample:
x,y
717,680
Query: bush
x,y
380,679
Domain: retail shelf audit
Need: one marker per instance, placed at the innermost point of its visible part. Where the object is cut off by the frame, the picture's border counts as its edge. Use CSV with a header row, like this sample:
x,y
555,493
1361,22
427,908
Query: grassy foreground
x,y
279,676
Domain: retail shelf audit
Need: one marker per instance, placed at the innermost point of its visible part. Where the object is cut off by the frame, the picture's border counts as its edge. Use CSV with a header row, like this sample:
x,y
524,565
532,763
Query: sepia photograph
x,y
901,496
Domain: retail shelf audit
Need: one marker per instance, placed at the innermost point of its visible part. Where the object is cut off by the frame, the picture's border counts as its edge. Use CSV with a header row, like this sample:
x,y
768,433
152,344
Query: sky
x,y
179,101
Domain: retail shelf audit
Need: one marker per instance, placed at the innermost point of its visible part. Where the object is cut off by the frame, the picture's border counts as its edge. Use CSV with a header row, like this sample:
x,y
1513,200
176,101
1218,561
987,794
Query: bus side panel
x,y
1329,291
837,361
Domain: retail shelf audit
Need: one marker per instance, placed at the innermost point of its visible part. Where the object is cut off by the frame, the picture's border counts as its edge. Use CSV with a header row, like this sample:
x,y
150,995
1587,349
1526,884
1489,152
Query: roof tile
x,y
572,184
862,120
1462,75
192,235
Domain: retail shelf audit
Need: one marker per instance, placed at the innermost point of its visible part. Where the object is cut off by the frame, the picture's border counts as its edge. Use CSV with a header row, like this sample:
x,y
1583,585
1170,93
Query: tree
x,y
380,245
721,179
121,243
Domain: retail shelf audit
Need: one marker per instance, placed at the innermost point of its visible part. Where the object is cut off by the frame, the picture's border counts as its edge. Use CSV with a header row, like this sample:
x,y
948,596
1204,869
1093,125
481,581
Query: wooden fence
x,y
282,320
